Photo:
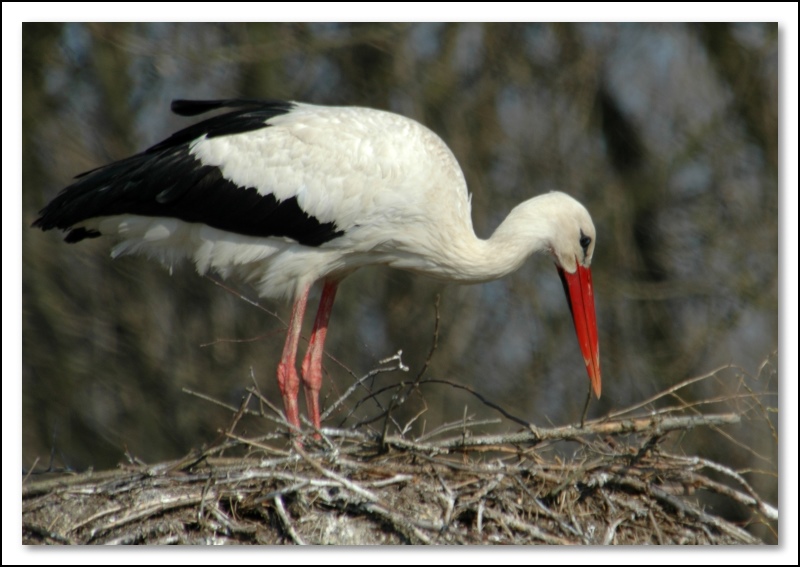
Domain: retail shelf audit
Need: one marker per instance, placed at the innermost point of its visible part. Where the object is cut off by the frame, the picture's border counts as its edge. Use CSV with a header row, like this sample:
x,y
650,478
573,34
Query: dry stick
x,y
350,485
507,521
373,395
242,410
102,513
685,405
726,471
656,529
256,391
238,416
360,382
549,513
456,425
385,429
654,425
612,529
39,487
422,371
750,499
164,504
244,298
401,366
464,423
586,407
693,405
483,399
448,498
30,471
401,523
281,417
218,444
200,509
257,445
373,503
287,524
658,425
685,508
407,427
434,345
207,398
764,410
398,402
668,391
672,391
230,524
768,511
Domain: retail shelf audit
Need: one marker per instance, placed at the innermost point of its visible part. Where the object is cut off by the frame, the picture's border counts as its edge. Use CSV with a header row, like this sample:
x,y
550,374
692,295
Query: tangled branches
x,y
609,481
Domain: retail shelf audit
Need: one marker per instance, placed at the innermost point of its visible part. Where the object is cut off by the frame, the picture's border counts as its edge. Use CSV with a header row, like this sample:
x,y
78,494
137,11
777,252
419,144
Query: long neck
x,y
459,255
519,236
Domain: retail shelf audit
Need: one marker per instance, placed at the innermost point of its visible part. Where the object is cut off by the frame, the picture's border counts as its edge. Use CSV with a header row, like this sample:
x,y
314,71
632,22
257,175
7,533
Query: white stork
x,y
284,194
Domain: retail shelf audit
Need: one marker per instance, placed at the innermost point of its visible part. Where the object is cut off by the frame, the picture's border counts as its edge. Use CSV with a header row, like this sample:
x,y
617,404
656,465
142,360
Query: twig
x,y
402,524
656,529
668,391
145,510
614,483
434,344
287,525
243,297
508,521
612,529
657,424
360,382
256,444
214,401
750,499
350,485
585,411
678,504
482,398
455,425
30,471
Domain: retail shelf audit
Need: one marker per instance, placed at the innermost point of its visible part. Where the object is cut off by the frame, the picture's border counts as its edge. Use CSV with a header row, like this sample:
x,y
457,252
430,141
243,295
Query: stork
x,y
285,194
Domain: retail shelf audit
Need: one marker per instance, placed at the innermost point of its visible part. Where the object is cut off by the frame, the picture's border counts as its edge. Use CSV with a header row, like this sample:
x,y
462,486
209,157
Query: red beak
x,y
580,296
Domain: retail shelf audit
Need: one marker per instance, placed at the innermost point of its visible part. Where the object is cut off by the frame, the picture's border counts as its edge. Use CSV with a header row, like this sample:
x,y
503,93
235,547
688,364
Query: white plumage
x,y
392,164
285,194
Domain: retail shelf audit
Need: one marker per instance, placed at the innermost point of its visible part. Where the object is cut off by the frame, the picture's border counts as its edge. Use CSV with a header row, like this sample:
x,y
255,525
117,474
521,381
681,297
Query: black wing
x,y
166,180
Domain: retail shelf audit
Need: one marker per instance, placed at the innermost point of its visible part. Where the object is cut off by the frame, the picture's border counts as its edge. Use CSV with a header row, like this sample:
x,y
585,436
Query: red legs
x,y
312,363
288,380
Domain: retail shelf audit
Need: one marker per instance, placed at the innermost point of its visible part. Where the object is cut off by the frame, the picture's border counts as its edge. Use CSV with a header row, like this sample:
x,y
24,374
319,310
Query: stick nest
x,y
609,481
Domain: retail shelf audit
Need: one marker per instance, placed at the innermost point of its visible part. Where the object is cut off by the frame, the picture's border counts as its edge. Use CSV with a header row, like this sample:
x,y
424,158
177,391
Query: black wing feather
x,y
167,181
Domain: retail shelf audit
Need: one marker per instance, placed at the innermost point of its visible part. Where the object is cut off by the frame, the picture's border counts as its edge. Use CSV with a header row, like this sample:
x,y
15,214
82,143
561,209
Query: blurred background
x,y
668,133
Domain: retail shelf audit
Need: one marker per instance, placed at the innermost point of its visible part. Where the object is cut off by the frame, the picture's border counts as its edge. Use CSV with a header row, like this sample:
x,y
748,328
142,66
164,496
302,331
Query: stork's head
x,y
572,232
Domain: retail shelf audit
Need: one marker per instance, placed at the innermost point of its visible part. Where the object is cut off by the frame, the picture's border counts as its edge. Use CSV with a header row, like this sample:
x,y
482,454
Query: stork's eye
x,y
585,241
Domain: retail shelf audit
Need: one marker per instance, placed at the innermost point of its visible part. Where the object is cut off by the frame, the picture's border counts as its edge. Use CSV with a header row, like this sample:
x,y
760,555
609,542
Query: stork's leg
x,y
312,363
288,380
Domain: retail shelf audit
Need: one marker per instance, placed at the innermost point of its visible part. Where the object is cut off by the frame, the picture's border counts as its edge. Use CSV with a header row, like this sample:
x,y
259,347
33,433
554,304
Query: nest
x,y
607,481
